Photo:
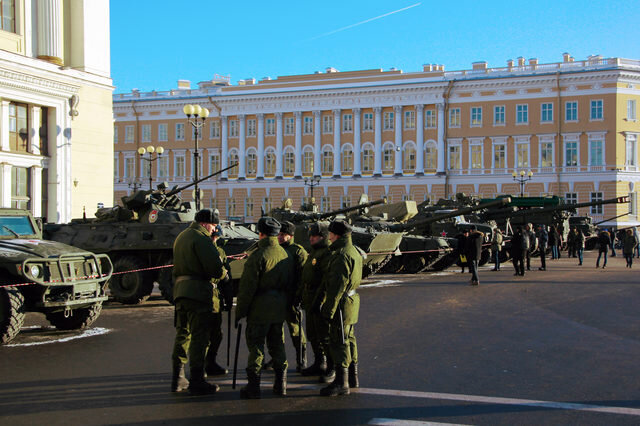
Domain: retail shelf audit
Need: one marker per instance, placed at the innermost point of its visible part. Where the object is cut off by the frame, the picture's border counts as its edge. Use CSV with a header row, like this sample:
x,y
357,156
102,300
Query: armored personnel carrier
x,y
139,239
64,283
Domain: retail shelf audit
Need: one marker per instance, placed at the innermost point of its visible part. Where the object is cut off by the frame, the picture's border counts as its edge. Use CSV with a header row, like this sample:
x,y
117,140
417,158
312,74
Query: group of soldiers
x,y
280,280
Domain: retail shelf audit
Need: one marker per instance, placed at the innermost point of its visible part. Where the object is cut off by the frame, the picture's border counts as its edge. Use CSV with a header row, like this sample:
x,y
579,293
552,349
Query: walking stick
x,y
228,335
235,361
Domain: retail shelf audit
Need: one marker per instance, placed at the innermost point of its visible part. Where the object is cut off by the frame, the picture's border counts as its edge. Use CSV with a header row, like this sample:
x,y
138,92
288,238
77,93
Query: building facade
x,y
56,113
419,135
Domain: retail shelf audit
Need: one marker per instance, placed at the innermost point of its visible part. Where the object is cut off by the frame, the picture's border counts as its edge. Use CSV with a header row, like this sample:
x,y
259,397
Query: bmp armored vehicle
x,y
64,283
139,239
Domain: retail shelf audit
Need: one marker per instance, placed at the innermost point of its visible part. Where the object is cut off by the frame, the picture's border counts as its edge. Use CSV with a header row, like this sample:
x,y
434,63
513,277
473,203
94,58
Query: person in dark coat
x,y
554,240
543,238
604,241
531,237
517,251
579,239
629,244
473,251
462,248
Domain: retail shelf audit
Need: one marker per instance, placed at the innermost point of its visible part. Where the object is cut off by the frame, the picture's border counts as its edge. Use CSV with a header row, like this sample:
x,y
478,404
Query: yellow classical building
x,y
56,113
572,126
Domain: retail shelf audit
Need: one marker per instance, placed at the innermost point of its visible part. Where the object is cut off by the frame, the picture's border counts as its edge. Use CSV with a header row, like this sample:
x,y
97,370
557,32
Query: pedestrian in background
x,y
612,236
531,238
496,247
629,244
553,242
635,234
604,241
543,238
473,252
571,242
579,245
517,251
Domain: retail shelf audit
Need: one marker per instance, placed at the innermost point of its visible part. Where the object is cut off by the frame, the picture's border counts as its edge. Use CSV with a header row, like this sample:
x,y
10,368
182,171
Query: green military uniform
x,y
195,262
262,299
215,338
298,256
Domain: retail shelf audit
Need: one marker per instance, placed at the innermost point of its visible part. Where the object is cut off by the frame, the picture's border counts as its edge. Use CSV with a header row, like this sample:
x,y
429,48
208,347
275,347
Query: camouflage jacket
x,y
298,256
342,279
315,268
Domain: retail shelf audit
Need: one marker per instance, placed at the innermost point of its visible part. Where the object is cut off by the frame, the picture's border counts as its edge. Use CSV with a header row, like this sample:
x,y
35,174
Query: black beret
x,y
288,228
206,216
319,230
339,227
268,226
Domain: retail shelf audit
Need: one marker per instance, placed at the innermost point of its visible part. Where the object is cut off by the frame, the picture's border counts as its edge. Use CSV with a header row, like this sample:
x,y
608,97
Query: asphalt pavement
x,y
553,347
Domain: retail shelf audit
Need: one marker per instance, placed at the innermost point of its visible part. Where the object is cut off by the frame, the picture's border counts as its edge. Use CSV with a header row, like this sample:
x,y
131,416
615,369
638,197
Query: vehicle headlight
x,y
34,270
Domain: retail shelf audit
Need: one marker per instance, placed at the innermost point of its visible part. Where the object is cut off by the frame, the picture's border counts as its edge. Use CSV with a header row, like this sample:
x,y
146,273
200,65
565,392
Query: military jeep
x,y
64,283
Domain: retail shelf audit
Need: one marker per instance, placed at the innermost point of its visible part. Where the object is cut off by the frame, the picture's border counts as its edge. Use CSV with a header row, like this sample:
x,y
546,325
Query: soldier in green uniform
x,y
195,263
224,292
298,257
341,307
313,294
262,299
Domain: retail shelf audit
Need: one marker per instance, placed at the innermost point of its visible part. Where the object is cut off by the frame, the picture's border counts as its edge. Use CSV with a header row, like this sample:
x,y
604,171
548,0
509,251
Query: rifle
x,y
228,334
235,361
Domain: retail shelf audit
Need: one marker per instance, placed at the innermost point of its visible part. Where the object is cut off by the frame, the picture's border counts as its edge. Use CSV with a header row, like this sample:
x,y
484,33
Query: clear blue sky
x,y
156,42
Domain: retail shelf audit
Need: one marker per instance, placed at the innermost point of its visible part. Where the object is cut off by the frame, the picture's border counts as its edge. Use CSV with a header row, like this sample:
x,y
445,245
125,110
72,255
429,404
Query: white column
x,y
261,157
317,143
297,169
441,153
36,190
357,128
5,189
419,139
278,145
34,120
4,137
378,141
242,174
224,145
337,131
50,42
398,133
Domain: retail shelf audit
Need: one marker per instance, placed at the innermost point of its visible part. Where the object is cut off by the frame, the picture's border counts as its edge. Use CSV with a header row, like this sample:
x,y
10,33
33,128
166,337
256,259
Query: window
x,y
307,161
19,127
289,126
233,159
571,198
267,205
251,128
522,155
476,117
522,114
251,163
180,132
346,202
500,156
367,123
387,121
144,169
546,154
327,124
430,157
214,162
571,154
231,208
163,133
546,113
327,160
233,128
325,204
367,159
289,162
347,159
178,166
498,115
596,110
387,158
347,123
631,110
454,117
596,196
596,151
146,133
571,111
248,207
270,127
270,163
633,204
631,152
20,187
455,158
129,167
476,156
307,129
430,119
8,16
128,131
409,159
115,134
214,129
409,119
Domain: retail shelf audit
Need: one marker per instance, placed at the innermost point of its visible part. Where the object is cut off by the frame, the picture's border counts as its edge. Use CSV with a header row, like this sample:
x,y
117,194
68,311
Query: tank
x,y
65,283
138,238
377,247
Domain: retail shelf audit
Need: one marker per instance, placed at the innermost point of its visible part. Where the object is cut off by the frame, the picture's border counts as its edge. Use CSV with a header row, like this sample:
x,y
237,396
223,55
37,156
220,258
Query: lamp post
x,y
150,150
134,183
521,179
312,182
196,116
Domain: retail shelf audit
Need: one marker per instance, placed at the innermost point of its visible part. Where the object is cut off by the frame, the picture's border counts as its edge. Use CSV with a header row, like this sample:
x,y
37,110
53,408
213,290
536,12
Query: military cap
x,y
206,216
268,226
288,228
319,230
339,227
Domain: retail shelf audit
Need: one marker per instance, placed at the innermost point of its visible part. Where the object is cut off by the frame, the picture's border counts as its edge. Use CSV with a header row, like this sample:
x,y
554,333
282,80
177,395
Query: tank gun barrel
x,y
177,190
442,216
349,209
565,207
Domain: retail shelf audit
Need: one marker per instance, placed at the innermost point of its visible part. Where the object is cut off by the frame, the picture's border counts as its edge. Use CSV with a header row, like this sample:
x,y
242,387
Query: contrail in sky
x,y
363,22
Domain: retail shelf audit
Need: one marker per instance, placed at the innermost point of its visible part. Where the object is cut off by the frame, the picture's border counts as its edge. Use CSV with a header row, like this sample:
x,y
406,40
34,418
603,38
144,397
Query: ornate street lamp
x,y
196,116
521,179
312,182
150,150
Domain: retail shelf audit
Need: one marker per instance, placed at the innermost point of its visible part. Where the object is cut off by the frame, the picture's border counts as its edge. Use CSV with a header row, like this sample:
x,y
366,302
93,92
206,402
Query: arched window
x,y
409,158
430,157
269,162
368,161
251,163
289,161
327,160
388,158
346,158
233,159
307,160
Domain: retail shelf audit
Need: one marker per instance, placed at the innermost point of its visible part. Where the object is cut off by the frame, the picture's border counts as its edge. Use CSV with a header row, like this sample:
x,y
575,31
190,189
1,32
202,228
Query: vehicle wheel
x,y
485,255
11,313
414,263
130,288
165,282
393,266
80,318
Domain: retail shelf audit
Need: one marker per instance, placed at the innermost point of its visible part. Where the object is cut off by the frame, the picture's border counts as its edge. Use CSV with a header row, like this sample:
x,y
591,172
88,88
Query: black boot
x,y
353,375
252,389
301,359
330,373
214,369
319,367
199,386
340,386
280,382
178,380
